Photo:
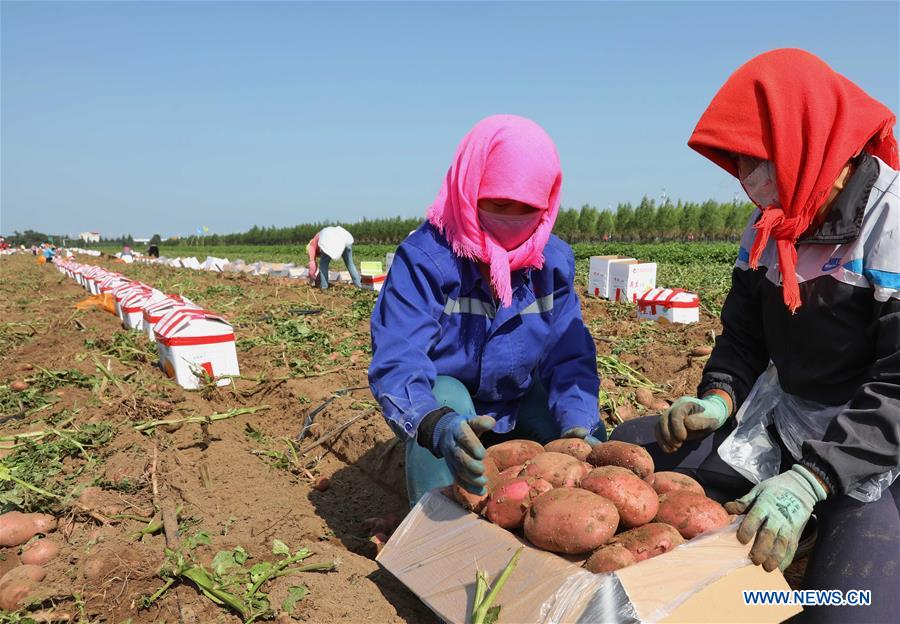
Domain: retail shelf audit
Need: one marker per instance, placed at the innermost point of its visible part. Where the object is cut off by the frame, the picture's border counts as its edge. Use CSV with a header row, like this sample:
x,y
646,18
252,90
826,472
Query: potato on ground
x,y
557,468
513,452
690,513
510,500
476,502
609,558
17,584
16,527
39,552
576,447
634,499
615,453
570,520
665,481
649,540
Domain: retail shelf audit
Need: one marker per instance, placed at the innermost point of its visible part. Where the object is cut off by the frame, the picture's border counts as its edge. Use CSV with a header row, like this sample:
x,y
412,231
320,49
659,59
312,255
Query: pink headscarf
x,y
502,157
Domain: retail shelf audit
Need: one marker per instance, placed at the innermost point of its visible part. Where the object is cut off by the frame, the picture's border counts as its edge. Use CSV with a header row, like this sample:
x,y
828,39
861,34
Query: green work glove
x,y
779,509
690,418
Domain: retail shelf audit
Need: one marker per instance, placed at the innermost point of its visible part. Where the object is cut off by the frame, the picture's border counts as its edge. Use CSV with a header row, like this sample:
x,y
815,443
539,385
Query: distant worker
x,y
810,347
153,251
329,244
48,253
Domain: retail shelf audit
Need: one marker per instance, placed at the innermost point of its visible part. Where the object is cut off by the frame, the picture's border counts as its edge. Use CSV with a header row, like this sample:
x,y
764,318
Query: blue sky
x,y
162,117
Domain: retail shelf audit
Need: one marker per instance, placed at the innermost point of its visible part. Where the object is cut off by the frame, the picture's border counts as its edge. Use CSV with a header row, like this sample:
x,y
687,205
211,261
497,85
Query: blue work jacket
x,y
436,315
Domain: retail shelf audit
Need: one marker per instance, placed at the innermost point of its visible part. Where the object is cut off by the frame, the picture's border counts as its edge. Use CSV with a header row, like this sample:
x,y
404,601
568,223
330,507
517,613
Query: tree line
x,y
645,222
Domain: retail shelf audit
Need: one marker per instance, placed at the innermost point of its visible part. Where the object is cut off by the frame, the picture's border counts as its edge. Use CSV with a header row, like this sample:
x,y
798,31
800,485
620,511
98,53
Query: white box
x,y
630,279
122,291
134,303
372,282
154,312
598,274
194,342
674,304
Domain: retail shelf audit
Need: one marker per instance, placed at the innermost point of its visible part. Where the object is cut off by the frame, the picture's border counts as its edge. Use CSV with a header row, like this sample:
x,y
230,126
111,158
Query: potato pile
x,y
17,529
573,499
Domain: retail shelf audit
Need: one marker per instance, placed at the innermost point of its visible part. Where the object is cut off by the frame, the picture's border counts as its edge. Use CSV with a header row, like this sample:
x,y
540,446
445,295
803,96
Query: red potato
x,y
609,558
514,452
570,520
615,453
18,386
558,469
634,499
321,483
649,540
39,552
511,499
690,513
666,481
576,447
644,397
510,473
17,584
476,502
16,528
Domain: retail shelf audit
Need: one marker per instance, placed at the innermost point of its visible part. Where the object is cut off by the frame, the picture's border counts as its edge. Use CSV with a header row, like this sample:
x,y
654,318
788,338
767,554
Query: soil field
x,y
233,479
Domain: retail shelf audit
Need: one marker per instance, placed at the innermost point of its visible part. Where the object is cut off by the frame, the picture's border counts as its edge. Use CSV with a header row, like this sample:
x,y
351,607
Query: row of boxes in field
x,y
621,278
194,345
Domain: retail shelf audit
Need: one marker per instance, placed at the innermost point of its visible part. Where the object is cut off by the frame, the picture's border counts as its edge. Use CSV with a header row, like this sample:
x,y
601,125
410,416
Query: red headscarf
x,y
787,106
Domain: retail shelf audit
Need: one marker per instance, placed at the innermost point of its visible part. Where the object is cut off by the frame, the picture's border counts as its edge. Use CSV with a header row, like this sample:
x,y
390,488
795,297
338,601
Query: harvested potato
x,y
476,502
666,481
615,453
39,552
570,520
701,351
17,584
644,397
559,469
509,473
690,513
576,447
608,558
321,483
510,500
16,527
634,499
514,452
649,540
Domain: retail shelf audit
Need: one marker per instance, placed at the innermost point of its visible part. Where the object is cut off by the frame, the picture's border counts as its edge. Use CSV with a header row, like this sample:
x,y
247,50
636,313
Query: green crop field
x,y
704,268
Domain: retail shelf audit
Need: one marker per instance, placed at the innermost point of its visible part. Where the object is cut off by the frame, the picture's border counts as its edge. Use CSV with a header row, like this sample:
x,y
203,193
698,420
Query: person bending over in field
x,y
477,332
815,299
329,244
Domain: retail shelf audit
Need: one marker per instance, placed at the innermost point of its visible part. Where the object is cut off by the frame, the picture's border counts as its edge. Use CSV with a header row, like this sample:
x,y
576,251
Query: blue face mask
x,y
758,179
510,230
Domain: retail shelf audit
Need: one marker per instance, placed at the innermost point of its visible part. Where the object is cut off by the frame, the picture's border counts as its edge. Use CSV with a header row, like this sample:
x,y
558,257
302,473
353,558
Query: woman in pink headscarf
x,y
477,334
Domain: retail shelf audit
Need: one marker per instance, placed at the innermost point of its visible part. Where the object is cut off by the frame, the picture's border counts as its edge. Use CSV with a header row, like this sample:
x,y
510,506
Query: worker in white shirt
x,y
329,244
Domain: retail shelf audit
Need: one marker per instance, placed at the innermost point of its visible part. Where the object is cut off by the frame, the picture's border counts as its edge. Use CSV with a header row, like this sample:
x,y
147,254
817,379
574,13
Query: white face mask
x,y
758,179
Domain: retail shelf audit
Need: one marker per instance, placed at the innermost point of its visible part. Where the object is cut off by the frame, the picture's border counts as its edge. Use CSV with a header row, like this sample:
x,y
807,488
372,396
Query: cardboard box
x,y
630,279
193,343
438,547
372,282
598,274
122,291
133,306
673,304
154,312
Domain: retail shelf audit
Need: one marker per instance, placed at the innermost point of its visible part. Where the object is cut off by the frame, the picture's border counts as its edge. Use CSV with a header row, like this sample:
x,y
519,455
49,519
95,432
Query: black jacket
x,y
843,344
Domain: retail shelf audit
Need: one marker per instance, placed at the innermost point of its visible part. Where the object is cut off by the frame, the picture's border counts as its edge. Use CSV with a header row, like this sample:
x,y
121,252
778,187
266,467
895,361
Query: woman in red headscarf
x,y
809,358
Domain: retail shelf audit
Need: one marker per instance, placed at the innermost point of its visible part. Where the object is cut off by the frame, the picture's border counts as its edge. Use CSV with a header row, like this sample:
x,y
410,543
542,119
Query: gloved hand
x,y
456,440
779,509
580,432
690,418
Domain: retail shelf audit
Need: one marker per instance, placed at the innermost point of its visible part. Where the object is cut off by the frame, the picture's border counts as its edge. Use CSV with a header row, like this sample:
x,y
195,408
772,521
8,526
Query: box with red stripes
x,y
133,305
372,282
196,346
154,312
629,278
673,304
